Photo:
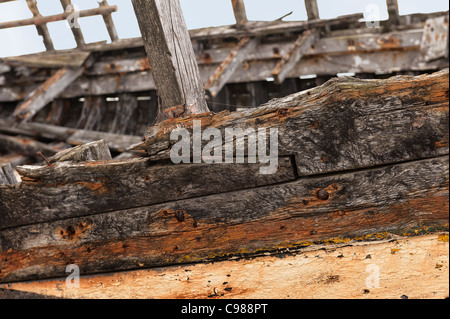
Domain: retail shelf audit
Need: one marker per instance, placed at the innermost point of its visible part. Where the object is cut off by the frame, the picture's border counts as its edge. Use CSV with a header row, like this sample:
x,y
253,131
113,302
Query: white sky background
x,y
198,14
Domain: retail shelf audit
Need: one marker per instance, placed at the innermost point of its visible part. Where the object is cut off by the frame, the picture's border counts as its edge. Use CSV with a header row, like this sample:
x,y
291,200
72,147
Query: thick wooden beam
x,y
25,146
225,71
171,57
312,9
303,44
239,12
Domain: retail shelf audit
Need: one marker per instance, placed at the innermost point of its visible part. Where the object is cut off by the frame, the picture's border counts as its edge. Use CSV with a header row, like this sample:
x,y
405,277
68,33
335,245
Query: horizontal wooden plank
x,y
286,216
392,199
344,124
67,190
418,270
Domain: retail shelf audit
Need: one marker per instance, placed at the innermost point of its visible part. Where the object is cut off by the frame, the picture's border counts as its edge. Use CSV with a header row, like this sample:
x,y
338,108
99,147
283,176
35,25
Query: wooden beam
x,y
77,34
41,28
172,58
394,16
94,151
239,12
303,44
361,205
125,108
332,125
109,22
312,9
227,68
25,146
339,271
48,91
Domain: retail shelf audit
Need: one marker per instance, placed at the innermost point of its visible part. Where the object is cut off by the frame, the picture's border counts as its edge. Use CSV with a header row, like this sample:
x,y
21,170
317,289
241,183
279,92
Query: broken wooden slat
x,y
94,151
341,125
57,17
7,176
56,59
107,186
239,12
227,68
171,57
48,91
295,54
416,269
312,9
270,218
434,44
41,28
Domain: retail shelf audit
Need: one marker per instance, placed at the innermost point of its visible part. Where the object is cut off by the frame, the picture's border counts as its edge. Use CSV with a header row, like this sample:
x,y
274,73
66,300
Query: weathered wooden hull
x,y
363,170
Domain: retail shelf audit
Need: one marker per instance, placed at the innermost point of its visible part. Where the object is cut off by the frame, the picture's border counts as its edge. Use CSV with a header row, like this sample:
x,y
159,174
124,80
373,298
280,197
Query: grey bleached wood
x,y
171,56
94,151
267,219
312,9
66,189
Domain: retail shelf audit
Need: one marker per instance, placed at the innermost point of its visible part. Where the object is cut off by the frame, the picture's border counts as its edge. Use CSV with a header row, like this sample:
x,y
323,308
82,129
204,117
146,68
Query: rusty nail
x,y
323,194
180,216
44,158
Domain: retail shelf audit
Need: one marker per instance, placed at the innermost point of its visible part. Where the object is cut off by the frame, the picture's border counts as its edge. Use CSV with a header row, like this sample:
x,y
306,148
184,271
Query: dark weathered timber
x,y
14,294
386,199
67,189
344,124
394,16
116,142
94,151
239,12
48,91
172,58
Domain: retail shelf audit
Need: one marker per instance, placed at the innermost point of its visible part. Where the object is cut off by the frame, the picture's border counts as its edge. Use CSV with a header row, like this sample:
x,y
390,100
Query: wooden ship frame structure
x,y
358,207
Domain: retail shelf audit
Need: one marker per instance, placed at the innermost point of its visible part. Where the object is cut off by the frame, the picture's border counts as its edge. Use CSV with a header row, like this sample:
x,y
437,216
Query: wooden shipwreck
x,y
357,208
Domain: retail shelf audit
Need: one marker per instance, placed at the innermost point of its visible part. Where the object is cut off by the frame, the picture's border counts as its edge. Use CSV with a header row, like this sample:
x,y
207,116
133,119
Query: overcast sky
x,y
198,14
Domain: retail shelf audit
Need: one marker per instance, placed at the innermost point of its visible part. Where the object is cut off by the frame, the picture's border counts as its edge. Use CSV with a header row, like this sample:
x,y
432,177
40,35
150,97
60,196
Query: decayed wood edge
x,y
94,151
66,189
341,125
415,267
266,219
7,176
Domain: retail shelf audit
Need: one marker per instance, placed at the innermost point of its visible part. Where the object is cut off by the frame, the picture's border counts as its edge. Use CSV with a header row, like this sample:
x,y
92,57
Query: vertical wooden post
x,y
312,9
394,16
78,35
239,12
172,58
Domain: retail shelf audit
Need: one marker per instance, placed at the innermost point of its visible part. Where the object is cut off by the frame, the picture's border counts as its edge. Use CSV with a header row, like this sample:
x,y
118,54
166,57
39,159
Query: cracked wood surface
x,y
415,267
290,215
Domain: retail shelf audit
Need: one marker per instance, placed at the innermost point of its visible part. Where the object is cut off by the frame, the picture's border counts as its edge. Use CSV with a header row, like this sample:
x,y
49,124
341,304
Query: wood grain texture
x,y
171,56
418,269
67,190
264,219
345,124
